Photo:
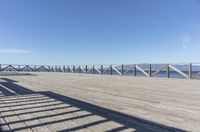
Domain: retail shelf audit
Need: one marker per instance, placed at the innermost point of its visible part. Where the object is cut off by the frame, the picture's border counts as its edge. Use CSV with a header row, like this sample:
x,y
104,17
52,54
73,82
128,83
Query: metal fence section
x,y
189,71
24,68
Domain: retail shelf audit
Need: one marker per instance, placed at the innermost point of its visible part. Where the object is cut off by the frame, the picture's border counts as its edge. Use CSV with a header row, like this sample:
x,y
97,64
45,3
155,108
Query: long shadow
x,y
12,86
5,91
127,121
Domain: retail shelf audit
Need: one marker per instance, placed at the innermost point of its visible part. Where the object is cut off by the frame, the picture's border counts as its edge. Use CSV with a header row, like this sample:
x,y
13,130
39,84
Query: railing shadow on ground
x,y
50,101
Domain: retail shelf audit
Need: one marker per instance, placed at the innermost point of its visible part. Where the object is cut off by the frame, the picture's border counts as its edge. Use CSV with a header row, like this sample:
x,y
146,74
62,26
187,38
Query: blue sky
x,y
99,31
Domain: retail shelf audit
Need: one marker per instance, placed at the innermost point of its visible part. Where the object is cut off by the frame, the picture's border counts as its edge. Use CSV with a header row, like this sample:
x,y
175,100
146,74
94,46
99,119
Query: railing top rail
x,y
179,63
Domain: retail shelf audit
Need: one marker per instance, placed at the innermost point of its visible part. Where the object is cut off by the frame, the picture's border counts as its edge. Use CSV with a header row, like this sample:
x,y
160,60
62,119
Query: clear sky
x,y
99,31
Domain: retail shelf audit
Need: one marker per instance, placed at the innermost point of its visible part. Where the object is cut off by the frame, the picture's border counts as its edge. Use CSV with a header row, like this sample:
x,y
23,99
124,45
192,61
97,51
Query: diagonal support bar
x,y
71,69
178,71
116,70
132,67
140,69
196,74
159,70
82,69
97,69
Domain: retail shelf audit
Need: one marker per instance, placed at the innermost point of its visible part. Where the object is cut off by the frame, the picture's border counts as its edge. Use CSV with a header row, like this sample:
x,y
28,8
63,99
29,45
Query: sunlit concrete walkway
x,y
75,102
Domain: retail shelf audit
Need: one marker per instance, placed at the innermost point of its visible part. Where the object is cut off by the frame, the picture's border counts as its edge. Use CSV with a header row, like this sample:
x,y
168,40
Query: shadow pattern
x,y
23,109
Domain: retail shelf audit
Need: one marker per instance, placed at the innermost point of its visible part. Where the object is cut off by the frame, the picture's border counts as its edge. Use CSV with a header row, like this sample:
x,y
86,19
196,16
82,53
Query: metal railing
x,y
189,71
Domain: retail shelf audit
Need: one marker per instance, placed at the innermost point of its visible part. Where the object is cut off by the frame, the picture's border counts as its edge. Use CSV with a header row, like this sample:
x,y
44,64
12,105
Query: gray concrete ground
x,y
78,102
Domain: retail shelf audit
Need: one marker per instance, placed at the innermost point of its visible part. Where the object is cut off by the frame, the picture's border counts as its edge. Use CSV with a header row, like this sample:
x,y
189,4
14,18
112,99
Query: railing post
x,y
86,69
55,68
111,72
93,69
150,70
59,69
0,67
101,69
49,68
10,68
36,68
135,70
74,68
122,70
67,69
27,68
19,68
52,70
190,70
63,68
79,69
168,71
